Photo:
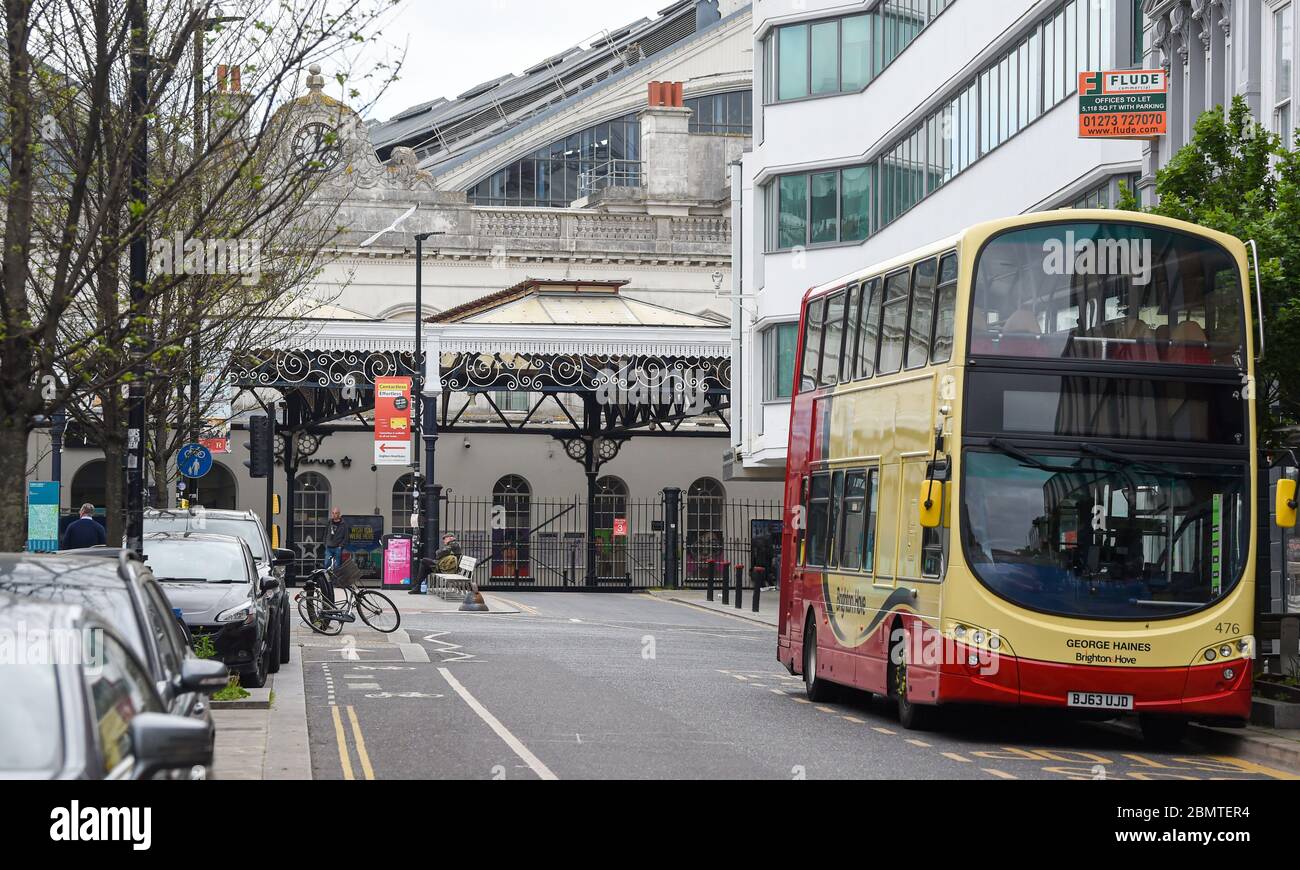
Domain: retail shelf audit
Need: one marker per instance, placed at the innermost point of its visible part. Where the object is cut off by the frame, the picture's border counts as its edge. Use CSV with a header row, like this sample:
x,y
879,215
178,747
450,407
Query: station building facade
x,y
605,164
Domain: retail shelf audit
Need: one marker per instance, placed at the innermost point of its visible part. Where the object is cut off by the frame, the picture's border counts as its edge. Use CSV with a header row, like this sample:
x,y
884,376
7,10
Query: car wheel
x,y
256,678
286,639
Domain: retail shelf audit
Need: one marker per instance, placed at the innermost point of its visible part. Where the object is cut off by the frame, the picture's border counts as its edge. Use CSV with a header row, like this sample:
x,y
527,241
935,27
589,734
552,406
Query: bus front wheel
x,y
1164,732
913,717
818,689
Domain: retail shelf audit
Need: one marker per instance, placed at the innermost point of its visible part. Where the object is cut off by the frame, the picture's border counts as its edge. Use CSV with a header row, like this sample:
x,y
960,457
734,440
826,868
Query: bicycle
x,y
320,610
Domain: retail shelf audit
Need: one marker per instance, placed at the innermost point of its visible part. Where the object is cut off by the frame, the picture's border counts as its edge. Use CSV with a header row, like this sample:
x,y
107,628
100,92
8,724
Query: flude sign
x,y
1123,104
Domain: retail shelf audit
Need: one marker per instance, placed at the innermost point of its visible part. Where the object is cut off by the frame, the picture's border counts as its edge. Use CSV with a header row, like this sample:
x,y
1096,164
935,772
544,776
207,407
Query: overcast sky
x,y
452,45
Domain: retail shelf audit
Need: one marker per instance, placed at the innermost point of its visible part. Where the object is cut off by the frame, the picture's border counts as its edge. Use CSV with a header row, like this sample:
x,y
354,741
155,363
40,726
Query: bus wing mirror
x,y
1286,504
931,504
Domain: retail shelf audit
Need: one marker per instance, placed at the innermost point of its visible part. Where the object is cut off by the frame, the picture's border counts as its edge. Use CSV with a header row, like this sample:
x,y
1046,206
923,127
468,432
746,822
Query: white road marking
x,y
364,686
501,731
448,650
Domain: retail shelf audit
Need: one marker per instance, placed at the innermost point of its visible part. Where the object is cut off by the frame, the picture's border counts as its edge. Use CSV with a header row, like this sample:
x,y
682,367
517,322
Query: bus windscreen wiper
x,y
1120,459
1032,461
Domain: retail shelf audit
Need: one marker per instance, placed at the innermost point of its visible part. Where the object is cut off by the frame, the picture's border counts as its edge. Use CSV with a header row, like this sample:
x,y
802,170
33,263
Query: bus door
x,y
911,535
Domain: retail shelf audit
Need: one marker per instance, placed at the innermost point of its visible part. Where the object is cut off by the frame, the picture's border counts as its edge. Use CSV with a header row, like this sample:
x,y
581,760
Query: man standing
x,y
84,531
335,538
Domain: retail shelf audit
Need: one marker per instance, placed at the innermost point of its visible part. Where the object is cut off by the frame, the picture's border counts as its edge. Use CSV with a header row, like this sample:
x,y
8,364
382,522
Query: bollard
x,y
709,576
740,586
726,583
758,584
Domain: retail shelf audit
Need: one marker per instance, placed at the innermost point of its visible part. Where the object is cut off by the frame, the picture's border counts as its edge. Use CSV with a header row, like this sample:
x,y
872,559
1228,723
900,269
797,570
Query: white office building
x,y
882,126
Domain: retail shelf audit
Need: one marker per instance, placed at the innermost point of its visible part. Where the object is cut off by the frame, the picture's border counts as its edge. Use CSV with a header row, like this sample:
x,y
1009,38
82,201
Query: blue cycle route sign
x,y
194,461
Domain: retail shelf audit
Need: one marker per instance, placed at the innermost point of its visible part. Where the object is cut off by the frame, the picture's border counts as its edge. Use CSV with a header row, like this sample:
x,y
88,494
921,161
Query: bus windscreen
x,y
1078,534
1108,291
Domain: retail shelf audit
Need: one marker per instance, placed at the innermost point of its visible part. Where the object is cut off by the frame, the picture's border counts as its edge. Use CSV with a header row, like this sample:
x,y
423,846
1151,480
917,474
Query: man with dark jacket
x,y
448,558
84,531
336,535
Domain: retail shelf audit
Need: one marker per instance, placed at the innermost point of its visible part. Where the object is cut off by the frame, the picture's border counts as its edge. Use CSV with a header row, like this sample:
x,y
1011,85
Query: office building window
x,y
1283,52
779,346
1017,88
844,55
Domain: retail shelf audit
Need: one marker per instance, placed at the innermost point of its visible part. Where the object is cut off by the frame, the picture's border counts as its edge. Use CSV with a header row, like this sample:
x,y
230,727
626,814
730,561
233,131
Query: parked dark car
x,y
248,526
96,715
215,583
120,589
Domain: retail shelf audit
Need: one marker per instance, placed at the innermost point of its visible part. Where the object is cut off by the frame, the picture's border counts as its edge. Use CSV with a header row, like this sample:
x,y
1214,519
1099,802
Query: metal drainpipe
x,y
738,407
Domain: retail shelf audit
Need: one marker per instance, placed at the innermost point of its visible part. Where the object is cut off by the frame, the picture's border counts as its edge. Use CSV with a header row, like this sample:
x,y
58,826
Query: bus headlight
x,y
1210,655
1226,650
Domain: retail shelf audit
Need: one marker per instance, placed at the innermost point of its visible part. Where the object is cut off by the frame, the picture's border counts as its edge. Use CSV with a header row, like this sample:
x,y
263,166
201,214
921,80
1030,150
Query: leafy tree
x,y
72,335
1237,177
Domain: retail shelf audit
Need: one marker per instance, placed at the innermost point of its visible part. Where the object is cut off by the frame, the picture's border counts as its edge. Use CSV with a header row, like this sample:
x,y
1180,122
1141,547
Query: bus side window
x,y
852,515
833,346
893,325
872,502
848,364
837,499
945,311
869,328
819,498
921,323
812,346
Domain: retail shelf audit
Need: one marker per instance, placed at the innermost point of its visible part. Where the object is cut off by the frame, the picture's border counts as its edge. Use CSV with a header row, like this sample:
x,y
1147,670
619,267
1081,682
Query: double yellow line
x,y
366,770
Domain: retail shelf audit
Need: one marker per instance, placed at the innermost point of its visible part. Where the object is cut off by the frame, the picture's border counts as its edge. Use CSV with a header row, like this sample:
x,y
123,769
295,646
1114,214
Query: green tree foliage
x,y
1237,177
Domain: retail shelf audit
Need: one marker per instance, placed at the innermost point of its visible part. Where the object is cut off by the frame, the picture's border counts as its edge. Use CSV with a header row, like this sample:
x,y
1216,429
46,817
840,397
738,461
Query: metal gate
x,y
526,543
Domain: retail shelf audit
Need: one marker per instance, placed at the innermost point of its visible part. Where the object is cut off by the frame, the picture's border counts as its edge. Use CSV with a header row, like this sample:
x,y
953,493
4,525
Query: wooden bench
x,y
455,585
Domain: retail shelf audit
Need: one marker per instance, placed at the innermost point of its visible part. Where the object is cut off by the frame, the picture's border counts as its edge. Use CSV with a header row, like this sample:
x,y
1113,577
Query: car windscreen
x,y
30,724
249,530
195,560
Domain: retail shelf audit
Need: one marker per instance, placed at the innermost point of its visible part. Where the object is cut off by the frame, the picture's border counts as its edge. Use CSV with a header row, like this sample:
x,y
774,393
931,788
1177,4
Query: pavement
x,y
769,602
633,686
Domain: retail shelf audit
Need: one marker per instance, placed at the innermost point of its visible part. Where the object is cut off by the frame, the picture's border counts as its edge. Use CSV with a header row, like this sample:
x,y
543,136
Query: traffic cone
x,y
474,602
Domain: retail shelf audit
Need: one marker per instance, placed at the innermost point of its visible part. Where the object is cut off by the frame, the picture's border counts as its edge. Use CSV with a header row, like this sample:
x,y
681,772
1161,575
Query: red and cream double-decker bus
x,y
1022,471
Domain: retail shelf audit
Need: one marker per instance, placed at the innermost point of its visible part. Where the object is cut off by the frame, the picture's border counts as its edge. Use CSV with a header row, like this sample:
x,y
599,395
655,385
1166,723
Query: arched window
x,y
217,489
611,501
610,504
88,486
705,534
311,517
606,155
512,520
403,505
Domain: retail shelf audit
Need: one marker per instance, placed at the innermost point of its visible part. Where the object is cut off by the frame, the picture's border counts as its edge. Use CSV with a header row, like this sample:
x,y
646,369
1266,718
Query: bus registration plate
x,y
1099,701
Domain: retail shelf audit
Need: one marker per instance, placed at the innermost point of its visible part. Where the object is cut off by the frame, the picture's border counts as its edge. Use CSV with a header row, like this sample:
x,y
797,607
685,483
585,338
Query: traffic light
x,y
261,446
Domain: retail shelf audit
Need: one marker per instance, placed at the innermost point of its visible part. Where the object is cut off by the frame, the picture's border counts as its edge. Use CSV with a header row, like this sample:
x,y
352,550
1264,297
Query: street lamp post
x,y
138,21
200,145
426,497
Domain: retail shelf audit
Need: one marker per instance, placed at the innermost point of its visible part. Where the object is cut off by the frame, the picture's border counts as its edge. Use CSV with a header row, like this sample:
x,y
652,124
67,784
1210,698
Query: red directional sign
x,y
392,421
